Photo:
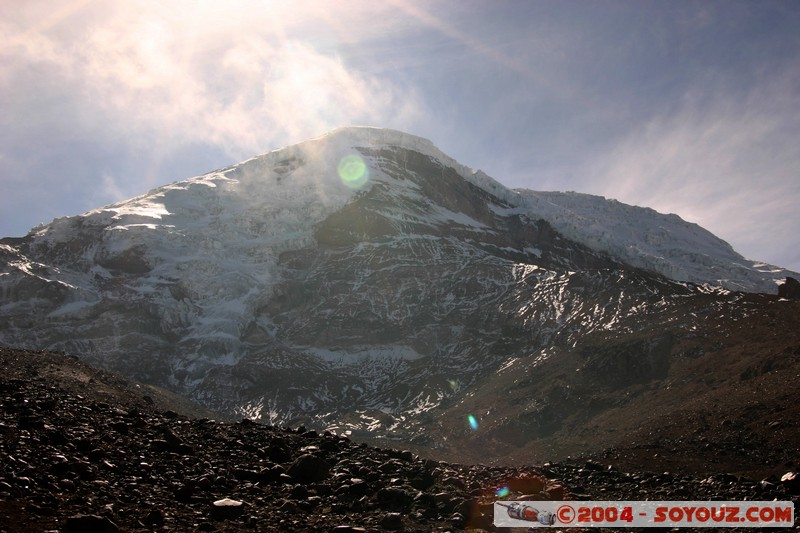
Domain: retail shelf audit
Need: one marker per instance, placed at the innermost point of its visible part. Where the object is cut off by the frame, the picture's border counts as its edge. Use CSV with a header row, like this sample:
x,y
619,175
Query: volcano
x,y
365,283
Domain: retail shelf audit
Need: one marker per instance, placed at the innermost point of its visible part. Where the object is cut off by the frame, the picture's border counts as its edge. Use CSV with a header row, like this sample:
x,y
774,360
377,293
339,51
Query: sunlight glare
x,y
353,171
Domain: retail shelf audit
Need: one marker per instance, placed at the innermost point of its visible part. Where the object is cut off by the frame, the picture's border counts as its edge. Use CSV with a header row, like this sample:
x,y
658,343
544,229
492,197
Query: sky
x,y
687,107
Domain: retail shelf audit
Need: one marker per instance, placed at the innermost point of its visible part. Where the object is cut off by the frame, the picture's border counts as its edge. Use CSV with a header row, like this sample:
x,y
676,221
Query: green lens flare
x,y
353,171
473,423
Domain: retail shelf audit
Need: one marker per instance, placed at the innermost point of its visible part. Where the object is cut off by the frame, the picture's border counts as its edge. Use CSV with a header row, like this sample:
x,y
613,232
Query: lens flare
x,y
473,423
353,171
502,492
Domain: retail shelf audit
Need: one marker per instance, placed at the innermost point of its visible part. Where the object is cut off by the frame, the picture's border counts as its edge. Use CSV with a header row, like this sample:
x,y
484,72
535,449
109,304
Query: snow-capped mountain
x,y
642,237
353,281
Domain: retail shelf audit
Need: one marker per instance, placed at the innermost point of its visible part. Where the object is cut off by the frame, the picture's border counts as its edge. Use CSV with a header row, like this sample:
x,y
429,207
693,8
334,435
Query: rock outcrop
x,y
790,289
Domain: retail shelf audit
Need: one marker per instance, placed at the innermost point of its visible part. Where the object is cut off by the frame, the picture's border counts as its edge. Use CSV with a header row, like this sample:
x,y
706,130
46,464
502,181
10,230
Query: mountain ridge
x,y
575,215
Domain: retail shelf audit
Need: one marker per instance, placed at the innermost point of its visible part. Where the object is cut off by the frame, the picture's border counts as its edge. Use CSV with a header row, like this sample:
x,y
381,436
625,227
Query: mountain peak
x,y
372,135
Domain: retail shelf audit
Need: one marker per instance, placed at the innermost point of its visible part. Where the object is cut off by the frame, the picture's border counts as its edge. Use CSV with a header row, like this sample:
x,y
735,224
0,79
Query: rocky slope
x,y
710,385
88,451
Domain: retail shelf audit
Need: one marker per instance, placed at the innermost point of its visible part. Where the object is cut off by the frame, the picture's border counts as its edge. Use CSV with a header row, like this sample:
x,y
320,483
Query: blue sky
x,y
688,107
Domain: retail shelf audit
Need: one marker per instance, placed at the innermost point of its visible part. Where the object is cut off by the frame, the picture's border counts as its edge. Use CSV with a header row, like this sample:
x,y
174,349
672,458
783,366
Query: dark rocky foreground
x,y
84,450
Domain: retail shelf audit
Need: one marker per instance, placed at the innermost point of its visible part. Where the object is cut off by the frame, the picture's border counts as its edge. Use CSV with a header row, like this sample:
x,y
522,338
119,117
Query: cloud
x,y
164,76
108,188
727,161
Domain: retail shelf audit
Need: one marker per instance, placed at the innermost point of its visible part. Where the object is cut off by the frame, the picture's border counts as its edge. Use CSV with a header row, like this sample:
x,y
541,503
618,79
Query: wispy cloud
x,y
192,72
727,161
